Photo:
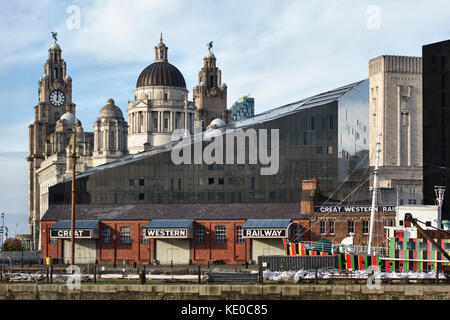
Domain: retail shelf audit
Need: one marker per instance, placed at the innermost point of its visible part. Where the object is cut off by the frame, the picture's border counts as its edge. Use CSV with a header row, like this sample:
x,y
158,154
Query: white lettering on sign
x,y
67,233
265,233
166,233
355,209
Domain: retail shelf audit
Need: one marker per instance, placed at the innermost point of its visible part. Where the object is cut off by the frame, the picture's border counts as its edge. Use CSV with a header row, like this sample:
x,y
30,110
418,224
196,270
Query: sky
x,y
276,51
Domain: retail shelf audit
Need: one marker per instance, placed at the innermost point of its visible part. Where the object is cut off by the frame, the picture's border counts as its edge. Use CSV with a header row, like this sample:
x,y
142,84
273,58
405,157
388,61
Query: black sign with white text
x,y
67,233
166,233
265,233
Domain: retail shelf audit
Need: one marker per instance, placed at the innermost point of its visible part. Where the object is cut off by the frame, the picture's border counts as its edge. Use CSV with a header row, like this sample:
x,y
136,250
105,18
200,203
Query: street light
x,y
114,238
439,191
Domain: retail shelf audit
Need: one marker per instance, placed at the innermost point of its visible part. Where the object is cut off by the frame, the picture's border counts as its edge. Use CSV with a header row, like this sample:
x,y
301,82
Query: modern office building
x,y
325,136
243,108
436,112
160,211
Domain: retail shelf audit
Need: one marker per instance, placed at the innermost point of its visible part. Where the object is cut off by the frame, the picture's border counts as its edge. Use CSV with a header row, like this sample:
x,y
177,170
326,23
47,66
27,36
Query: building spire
x,y
161,51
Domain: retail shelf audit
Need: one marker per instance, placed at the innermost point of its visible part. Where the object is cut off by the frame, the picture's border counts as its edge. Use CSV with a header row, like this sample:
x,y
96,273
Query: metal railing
x,y
344,248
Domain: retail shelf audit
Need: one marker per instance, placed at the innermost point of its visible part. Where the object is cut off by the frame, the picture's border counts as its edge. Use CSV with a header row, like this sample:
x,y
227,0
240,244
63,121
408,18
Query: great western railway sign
x,y
64,233
353,209
265,233
167,233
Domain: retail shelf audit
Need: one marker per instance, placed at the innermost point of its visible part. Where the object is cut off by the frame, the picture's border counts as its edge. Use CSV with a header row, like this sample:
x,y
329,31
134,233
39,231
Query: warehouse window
x,y
220,233
351,226
239,233
365,226
106,235
143,238
331,227
125,235
322,226
200,234
53,240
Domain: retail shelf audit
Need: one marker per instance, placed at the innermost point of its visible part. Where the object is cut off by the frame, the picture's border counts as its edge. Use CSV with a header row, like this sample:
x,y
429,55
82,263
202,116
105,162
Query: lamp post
x,y
114,239
440,191
3,230
74,161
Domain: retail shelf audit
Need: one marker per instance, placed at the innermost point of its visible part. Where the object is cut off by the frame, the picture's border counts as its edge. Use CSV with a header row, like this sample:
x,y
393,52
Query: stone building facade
x,y
160,104
210,95
396,114
160,107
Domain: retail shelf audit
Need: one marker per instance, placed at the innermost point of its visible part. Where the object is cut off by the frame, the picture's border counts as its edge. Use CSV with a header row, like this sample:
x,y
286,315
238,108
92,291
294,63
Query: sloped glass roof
x,y
316,100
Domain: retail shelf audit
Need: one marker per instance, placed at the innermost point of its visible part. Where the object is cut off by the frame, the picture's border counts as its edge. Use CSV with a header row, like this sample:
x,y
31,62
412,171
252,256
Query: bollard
x,y
437,273
246,264
95,273
315,277
51,274
199,275
47,274
1,273
261,278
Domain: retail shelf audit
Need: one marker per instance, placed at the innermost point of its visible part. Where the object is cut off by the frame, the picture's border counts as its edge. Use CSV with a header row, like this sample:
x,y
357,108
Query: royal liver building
x,y
159,107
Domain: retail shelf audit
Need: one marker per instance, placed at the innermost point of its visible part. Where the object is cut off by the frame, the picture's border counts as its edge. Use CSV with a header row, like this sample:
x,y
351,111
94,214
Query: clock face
x,y
57,98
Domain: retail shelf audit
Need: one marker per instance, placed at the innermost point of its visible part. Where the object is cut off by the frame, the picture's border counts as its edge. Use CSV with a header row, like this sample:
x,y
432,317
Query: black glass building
x,y
436,112
325,136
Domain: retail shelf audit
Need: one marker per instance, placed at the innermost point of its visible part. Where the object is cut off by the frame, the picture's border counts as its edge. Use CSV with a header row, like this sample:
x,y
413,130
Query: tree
x,y
11,244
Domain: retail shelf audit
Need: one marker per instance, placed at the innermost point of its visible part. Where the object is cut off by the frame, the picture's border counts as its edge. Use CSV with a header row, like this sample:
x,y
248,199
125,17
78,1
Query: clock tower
x,y
54,99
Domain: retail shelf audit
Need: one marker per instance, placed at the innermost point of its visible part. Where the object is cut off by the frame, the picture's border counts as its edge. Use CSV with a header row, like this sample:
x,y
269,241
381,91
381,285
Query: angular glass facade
x,y
243,108
325,136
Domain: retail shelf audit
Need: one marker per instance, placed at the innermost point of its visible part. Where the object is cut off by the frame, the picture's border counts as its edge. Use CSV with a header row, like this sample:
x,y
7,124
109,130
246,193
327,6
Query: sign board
x,y
67,233
353,209
167,233
265,233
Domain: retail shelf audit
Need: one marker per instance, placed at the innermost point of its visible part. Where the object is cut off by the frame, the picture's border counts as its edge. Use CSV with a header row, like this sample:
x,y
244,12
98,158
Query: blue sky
x,y
277,51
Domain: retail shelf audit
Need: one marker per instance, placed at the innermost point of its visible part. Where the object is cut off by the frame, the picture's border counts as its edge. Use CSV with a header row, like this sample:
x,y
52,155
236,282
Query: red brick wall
x,y
229,252
341,229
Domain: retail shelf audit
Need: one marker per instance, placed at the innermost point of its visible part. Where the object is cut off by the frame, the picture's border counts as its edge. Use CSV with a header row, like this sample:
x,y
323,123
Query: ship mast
x,y
374,194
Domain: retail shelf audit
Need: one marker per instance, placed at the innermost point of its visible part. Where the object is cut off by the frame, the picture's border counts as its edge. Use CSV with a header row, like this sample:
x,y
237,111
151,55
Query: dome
x,y
110,111
217,123
161,74
68,117
55,46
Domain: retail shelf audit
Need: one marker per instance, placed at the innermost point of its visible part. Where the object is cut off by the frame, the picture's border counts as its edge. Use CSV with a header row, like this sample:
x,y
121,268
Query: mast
x,y
72,235
374,194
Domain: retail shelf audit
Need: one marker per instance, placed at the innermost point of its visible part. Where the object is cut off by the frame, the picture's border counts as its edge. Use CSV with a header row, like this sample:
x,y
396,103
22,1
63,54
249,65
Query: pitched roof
x,y
198,211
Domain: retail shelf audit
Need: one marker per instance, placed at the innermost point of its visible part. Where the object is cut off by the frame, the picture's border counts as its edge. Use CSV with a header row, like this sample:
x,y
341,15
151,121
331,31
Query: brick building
x,y
165,234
